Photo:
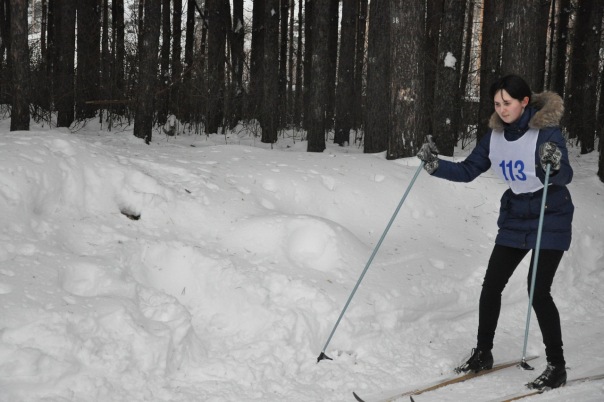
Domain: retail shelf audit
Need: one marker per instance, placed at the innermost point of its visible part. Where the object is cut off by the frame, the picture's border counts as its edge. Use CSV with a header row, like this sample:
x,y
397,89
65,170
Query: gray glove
x,y
550,153
428,153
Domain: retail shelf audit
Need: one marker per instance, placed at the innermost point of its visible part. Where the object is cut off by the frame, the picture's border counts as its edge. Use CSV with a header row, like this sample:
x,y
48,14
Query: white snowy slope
x,y
228,284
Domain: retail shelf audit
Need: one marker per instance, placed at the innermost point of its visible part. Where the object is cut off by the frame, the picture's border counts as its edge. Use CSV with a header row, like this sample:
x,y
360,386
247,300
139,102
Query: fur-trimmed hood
x,y
549,106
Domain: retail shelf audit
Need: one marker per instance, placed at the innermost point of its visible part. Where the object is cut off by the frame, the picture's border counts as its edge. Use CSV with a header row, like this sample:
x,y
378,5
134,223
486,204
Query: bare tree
x,y
237,59
377,111
559,60
447,93
359,63
164,64
89,57
345,87
525,34
490,59
19,56
256,59
270,106
581,101
145,94
407,94
319,86
217,27
65,24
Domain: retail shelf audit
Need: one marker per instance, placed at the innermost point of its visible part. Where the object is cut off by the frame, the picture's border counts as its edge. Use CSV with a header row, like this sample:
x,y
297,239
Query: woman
x,y
524,137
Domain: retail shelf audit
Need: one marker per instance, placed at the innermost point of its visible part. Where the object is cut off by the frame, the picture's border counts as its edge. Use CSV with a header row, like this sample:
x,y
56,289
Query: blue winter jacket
x,y
519,213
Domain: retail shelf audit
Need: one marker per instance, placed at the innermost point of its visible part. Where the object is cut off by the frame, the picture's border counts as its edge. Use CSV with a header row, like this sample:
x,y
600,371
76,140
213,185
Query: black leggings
x,y
502,264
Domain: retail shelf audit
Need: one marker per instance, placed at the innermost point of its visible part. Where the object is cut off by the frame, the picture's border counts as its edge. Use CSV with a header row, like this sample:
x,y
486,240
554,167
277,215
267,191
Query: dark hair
x,y
514,85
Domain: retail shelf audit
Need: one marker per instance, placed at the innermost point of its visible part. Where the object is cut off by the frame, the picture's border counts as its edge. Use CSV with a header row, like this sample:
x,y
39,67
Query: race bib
x,y
514,161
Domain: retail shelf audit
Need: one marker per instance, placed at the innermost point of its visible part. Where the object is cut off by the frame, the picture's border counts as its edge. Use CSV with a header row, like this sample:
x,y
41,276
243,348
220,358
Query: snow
x,y
243,255
450,60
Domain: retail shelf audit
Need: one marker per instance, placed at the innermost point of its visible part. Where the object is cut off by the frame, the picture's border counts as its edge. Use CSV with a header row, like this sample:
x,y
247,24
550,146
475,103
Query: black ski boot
x,y
480,360
554,376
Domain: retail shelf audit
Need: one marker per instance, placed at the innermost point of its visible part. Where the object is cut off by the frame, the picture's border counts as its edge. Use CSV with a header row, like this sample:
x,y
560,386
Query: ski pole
x,y
524,365
379,243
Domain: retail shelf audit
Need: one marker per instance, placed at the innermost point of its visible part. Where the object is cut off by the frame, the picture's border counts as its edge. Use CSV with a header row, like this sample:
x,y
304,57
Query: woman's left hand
x,y
549,153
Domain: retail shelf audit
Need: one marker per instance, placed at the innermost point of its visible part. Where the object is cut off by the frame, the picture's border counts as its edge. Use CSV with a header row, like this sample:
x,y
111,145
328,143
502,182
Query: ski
x,y
526,394
447,381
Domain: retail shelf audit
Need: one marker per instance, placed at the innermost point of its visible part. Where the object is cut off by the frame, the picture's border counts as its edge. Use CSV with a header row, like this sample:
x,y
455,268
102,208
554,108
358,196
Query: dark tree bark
x,y
434,15
89,57
559,58
290,65
377,119
446,118
345,89
282,97
270,106
319,85
176,57
19,55
237,58
490,56
359,58
105,56
164,65
308,44
332,50
217,26
65,18
5,41
407,94
582,103
299,62
118,53
525,34
147,82
257,60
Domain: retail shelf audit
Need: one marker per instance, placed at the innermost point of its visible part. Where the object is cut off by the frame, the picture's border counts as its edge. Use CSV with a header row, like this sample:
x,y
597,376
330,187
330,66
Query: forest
x,y
379,75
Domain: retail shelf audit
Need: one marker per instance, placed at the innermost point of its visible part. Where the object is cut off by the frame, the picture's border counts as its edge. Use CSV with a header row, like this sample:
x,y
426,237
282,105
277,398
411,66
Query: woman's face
x,y
508,108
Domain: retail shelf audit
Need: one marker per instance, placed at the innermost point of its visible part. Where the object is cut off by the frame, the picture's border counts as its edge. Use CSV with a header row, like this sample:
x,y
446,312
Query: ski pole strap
x,y
535,264
375,250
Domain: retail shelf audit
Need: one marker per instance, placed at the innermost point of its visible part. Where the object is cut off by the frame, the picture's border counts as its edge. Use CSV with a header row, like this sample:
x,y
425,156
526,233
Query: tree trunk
x,y
407,94
64,88
332,50
216,59
490,56
118,56
525,34
270,105
148,45
89,58
345,89
290,65
257,60
377,119
299,67
282,97
559,59
164,65
584,74
308,44
319,86
19,55
434,15
175,88
237,59
359,58
447,93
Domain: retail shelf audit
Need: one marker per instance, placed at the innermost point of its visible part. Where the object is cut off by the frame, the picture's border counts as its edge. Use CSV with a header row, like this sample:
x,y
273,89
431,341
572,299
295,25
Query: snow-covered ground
x,y
227,286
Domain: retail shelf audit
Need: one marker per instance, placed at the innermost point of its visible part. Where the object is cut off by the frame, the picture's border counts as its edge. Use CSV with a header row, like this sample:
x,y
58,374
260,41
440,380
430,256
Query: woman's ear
x,y
525,101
